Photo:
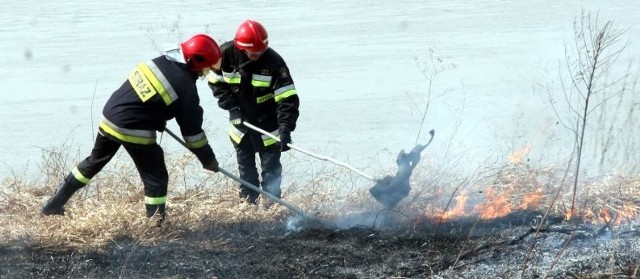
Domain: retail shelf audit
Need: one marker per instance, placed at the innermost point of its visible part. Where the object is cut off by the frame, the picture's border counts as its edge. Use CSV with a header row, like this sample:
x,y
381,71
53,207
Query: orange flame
x,y
500,204
458,209
531,201
496,205
610,216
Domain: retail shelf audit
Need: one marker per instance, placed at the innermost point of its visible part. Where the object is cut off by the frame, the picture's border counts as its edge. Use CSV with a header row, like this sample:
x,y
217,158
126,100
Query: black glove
x,y
235,116
285,138
212,166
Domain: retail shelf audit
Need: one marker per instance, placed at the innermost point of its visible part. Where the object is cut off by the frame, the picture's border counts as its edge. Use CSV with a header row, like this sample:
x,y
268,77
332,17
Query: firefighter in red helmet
x,y
157,90
254,85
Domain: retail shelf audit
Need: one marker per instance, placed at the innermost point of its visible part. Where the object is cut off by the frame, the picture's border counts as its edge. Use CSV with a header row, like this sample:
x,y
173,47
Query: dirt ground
x,y
509,247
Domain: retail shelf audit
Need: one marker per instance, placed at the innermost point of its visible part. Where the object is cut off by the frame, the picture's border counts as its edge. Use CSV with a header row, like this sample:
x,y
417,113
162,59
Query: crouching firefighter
x,y
254,85
156,91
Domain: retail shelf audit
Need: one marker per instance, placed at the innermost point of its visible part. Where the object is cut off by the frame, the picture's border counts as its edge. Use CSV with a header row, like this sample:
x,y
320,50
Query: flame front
x,y
496,204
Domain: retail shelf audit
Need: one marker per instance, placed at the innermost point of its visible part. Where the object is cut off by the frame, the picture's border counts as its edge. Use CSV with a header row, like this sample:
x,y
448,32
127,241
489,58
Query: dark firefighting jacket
x,y
155,92
263,90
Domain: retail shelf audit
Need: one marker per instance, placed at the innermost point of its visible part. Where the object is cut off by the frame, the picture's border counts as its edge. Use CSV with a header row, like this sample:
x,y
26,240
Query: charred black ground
x,y
514,246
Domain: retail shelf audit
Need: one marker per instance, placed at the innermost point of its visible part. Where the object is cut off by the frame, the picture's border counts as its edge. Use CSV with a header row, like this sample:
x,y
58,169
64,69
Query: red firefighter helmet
x,y
251,36
200,52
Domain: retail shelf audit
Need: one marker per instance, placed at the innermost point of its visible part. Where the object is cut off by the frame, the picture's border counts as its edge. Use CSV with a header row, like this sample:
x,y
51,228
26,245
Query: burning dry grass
x,y
519,187
110,211
112,206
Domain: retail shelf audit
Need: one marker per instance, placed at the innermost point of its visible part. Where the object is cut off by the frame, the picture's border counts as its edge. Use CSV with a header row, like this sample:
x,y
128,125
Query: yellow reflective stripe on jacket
x,y
215,78
235,134
260,80
158,81
267,140
264,98
79,176
147,80
155,200
128,135
284,92
196,141
231,78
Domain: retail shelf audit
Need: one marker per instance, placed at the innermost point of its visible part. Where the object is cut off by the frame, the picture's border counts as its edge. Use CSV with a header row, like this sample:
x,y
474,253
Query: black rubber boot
x,y
249,196
55,205
156,209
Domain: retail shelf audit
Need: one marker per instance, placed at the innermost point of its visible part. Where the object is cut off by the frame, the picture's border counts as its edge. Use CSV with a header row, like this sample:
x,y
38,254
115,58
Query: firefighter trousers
x,y
271,169
148,159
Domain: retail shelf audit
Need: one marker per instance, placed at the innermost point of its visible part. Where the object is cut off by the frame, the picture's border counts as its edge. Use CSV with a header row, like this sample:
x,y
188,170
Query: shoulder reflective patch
x,y
160,82
141,84
284,73
147,80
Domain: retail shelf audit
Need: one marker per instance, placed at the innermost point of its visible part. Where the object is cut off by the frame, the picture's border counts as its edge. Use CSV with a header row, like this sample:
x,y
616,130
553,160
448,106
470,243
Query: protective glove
x,y
212,166
235,116
285,138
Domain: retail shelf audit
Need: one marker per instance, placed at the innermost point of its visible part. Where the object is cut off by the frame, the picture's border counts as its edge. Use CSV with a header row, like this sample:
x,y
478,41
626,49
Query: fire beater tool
x,y
389,190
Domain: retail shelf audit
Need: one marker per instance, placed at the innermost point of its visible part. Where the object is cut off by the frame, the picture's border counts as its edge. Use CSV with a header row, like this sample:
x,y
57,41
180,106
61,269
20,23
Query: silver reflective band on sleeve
x,y
285,91
267,140
167,86
235,134
196,141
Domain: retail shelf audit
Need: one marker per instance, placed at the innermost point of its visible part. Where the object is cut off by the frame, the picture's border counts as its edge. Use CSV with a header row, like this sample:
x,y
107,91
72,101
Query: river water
x,y
367,72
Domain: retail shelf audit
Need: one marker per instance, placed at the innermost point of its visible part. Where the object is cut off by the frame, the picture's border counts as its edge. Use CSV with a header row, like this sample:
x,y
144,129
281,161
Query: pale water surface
x,y
362,70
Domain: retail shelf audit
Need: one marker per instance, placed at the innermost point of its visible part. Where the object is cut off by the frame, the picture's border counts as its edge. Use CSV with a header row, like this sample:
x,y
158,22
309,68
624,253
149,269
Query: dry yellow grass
x,y
111,207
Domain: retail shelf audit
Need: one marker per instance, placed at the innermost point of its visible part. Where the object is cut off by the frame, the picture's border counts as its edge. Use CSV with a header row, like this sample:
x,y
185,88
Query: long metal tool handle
x,y
321,157
244,182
